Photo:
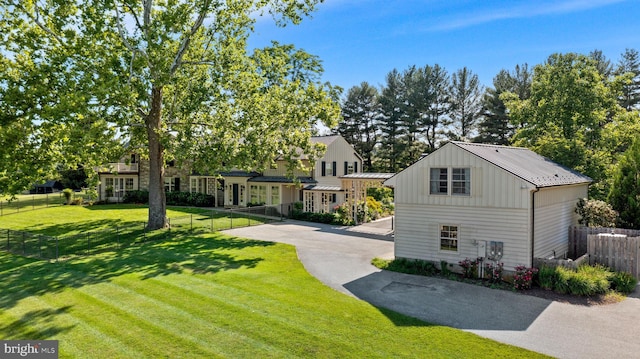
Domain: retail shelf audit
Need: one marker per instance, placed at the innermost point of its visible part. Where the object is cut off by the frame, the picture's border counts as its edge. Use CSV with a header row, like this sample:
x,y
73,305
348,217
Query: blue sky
x,y
362,40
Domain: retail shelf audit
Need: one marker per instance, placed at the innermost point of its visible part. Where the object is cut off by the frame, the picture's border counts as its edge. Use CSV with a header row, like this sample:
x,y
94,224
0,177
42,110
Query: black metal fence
x,y
23,203
45,247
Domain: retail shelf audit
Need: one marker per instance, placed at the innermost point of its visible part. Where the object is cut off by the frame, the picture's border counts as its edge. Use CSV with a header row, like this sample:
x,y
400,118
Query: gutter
x,y
533,218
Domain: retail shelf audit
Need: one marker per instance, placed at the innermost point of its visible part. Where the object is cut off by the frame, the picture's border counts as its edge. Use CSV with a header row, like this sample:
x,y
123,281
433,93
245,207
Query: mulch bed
x,y
600,299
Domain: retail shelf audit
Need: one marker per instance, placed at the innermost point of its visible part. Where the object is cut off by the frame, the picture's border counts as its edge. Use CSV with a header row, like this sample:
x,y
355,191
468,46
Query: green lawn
x,y
206,295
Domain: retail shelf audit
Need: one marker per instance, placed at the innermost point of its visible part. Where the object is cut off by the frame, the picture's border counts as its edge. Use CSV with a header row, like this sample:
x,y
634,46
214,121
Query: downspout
x,y
533,218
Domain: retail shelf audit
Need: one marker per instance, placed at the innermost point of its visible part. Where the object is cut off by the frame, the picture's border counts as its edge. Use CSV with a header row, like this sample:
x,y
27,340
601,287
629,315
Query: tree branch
x,y
187,39
36,20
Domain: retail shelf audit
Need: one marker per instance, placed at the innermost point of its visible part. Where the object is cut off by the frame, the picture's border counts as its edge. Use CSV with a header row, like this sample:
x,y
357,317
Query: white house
x,y
469,200
319,189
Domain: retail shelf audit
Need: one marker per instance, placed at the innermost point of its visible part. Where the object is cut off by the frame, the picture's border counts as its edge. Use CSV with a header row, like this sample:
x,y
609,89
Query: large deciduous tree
x,y
569,106
176,78
625,192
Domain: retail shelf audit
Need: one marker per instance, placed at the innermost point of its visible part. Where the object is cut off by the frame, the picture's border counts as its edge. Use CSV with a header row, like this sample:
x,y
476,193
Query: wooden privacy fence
x,y
578,237
616,251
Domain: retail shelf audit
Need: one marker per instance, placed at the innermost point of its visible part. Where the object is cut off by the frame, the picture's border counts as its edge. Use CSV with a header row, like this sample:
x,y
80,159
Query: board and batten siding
x,y
337,151
497,209
282,171
554,214
491,186
417,232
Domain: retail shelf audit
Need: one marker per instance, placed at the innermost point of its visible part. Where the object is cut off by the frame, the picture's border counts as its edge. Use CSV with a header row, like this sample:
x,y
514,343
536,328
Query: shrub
x,y
92,195
173,198
623,282
77,202
494,271
327,218
136,197
585,281
374,208
547,277
404,265
469,268
598,277
523,277
343,215
444,268
561,284
581,284
380,193
68,195
189,199
594,213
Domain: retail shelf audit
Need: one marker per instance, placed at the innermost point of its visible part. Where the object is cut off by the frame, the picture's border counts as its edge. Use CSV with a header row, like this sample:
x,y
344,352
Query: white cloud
x,y
528,10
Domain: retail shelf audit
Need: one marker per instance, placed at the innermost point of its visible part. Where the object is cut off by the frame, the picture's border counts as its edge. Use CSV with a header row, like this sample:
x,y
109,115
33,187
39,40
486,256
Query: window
x,y
438,183
460,181
275,195
329,171
253,194
449,238
309,202
258,194
128,184
171,184
349,168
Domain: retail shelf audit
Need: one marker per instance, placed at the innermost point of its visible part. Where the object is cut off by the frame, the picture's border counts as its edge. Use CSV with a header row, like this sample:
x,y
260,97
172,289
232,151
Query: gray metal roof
x,y
281,179
526,164
323,188
236,173
376,176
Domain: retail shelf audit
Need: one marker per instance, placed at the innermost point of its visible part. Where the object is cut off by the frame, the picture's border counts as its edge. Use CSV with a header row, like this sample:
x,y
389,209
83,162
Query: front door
x,y
235,195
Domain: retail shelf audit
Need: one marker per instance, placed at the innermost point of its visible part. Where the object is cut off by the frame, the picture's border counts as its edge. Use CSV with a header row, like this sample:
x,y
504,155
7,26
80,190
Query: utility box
x,y
482,249
495,250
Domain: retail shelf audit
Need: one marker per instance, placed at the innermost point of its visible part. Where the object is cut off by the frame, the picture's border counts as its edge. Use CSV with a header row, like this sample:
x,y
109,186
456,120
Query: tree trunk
x,y
157,197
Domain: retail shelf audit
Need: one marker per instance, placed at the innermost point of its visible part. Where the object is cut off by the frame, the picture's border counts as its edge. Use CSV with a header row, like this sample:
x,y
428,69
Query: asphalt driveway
x,y
340,258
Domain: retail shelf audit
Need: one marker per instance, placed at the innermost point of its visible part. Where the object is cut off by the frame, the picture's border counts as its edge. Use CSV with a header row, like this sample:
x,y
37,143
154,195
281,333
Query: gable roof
x,y
327,140
525,164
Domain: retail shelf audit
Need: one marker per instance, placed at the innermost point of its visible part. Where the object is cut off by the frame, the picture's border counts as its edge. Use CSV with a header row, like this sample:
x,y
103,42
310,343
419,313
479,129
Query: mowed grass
x,y
73,220
204,296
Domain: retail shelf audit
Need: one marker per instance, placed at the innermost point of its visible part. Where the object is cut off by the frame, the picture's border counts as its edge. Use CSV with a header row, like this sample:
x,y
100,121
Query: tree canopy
x,y
563,118
174,80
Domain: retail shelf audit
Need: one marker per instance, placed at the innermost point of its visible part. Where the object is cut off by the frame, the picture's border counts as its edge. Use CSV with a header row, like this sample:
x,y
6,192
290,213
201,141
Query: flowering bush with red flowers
x,y
494,271
524,277
469,268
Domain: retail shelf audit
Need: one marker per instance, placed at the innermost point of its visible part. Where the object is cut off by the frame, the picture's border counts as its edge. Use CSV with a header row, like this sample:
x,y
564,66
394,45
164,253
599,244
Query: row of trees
x,y
578,110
